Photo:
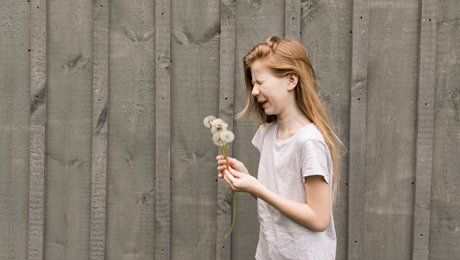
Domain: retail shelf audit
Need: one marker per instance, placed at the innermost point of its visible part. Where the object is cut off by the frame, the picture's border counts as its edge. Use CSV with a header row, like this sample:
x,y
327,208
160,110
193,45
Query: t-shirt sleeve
x,y
314,159
257,139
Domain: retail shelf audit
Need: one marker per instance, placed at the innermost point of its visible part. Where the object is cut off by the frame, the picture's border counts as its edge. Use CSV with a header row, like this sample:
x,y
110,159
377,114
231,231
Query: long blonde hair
x,y
286,57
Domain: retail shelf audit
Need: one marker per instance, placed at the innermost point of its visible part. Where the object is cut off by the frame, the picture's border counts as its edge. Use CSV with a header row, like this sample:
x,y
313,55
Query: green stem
x,y
234,213
224,153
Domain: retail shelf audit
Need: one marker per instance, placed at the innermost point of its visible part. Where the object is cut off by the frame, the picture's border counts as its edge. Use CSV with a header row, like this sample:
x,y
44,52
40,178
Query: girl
x,y
299,161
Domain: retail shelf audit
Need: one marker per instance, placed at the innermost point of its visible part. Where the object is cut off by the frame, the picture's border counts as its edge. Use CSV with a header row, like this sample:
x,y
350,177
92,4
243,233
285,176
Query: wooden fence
x,y
103,154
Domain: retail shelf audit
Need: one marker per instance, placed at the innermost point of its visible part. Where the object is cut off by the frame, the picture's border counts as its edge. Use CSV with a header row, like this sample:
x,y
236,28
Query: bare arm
x,y
314,215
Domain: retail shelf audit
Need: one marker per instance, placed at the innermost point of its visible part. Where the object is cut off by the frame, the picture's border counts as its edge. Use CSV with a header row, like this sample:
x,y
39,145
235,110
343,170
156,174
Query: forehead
x,y
259,69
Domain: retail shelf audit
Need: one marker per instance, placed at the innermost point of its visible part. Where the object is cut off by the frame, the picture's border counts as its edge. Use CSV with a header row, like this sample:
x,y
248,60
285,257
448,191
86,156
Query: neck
x,y
287,120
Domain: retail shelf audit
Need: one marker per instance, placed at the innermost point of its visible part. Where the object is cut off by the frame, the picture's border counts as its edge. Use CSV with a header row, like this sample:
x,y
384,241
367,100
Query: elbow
x,y
321,224
322,227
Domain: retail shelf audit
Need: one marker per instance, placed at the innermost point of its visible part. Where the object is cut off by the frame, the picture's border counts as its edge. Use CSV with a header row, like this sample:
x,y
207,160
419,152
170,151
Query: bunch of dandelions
x,y
221,137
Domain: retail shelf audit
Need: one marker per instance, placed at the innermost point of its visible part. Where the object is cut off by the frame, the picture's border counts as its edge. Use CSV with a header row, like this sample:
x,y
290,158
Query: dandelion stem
x,y
234,213
224,153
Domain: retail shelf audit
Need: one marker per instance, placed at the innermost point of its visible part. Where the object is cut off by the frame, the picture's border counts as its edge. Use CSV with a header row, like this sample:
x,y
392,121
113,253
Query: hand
x,y
233,163
241,182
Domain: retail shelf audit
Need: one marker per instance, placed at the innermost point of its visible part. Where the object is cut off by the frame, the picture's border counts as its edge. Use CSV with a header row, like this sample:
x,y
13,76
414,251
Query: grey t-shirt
x,y
283,166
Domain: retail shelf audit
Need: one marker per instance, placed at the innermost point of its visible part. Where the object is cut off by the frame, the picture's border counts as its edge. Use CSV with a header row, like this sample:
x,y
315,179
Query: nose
x,y
255,90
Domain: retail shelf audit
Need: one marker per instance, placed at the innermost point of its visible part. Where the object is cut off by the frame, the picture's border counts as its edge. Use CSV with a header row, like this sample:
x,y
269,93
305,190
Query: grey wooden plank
x,y
445,195
256,21
326,34
292,20
68,129
357,141
226,93
425,129
130,195
14,128
195,40
37,128
390,135
99,129
163,130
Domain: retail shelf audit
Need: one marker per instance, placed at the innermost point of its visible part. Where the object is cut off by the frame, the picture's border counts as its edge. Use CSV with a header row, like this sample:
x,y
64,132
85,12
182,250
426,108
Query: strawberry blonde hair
x,y
287,57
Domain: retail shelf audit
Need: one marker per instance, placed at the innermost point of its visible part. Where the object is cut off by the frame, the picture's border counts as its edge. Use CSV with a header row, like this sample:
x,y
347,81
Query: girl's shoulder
x,y
263,128
310,133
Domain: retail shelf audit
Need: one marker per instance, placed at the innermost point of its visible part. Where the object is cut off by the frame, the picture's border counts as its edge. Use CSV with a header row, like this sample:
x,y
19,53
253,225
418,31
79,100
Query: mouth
x,y
263,103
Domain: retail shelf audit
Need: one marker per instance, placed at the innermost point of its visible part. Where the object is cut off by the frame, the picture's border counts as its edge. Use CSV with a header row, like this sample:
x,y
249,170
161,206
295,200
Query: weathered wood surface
x,y
195,41
390,134
37,128
358,126
326,34
104,148
68,129
99,129
131,114
14,132
163,130
292,19
425,127
445,195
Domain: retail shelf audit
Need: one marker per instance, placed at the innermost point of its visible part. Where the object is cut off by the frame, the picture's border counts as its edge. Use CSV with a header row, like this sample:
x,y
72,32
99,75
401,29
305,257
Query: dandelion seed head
x,y
227,136
219,124
208,120
216,138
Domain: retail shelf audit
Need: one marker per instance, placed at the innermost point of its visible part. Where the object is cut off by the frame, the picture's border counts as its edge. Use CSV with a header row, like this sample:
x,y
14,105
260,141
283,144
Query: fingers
x,y
228,178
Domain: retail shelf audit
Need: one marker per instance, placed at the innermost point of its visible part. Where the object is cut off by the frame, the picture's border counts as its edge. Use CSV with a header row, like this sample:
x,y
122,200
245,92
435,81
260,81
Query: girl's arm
x,y
314,215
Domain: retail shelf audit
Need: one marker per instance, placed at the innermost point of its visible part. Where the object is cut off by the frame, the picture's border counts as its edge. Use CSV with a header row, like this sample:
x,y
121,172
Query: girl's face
x,y
273,93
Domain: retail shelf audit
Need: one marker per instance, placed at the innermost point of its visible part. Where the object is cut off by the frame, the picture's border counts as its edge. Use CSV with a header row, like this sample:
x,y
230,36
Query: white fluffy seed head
x,y
217,139
227,136
218,125
208,121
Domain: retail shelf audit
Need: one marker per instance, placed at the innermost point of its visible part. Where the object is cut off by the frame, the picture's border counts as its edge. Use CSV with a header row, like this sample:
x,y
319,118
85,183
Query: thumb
x,y
237,174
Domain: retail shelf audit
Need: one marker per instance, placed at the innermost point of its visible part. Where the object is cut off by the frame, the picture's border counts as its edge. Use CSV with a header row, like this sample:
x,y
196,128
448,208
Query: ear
x,y
292,81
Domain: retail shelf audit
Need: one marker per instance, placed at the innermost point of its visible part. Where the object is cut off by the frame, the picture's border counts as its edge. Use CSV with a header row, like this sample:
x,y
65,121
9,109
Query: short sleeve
x,y
257,139
314,160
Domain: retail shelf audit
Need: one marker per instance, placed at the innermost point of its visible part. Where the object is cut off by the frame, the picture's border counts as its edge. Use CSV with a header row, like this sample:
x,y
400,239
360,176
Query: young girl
x,y
299,161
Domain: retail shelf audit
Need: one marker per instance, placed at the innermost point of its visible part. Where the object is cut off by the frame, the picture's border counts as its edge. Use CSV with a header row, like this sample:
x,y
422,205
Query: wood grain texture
x,y
292,21
256,21
131,114
68,129
15,81
425,128
195,41
163,130
99,129
226,100
358,128
445,195
326,27
38,117
390,131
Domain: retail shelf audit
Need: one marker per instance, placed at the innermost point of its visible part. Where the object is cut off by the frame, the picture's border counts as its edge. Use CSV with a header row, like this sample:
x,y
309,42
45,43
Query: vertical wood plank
x,y
130,209
292,20
425,129
226,93
391,128
37,129
357,145
195,39
68,129
15,115
445,193
163,130
99,139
